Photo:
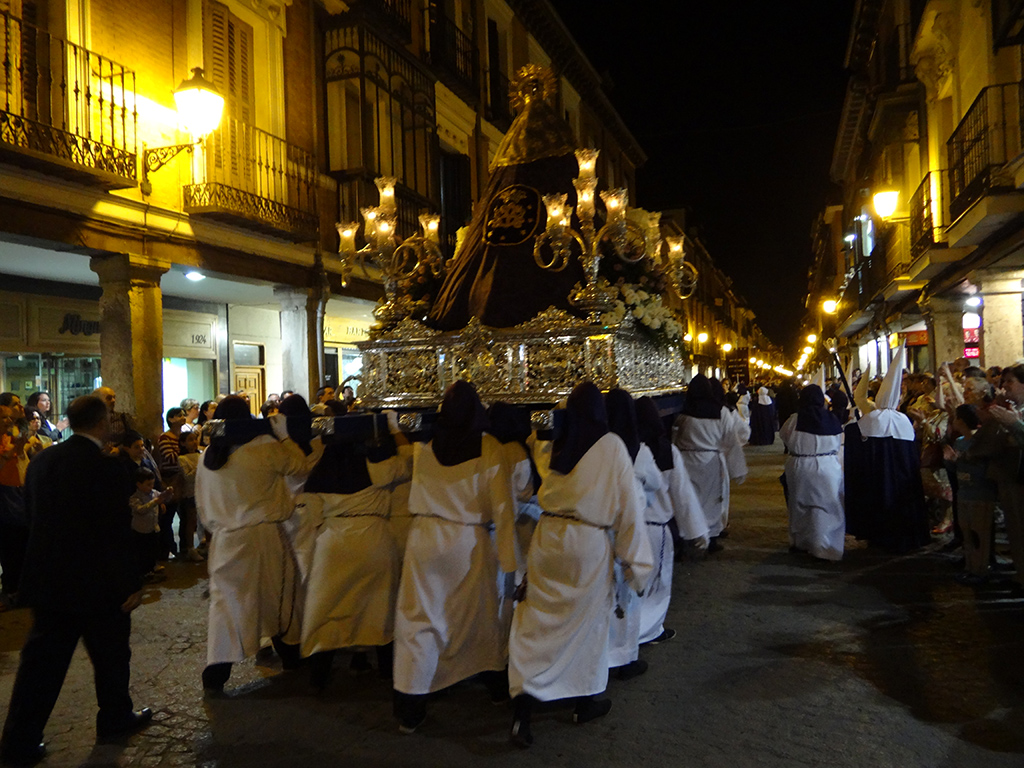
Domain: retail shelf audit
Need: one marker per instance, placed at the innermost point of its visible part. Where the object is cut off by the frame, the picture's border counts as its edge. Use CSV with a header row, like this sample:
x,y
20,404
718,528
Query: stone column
x,y
302,332
132,335
1002,329
944,318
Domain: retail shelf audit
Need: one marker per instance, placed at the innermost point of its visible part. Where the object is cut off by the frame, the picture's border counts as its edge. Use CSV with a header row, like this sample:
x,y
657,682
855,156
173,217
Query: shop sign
x,y
75,325
345,329
916,338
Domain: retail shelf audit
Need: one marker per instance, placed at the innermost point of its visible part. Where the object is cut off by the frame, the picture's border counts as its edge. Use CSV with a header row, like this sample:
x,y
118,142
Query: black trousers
x,y
13,536
44,665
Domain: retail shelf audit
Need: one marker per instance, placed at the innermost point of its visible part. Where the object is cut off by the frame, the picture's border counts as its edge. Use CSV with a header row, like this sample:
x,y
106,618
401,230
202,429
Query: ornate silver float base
x,y
540,361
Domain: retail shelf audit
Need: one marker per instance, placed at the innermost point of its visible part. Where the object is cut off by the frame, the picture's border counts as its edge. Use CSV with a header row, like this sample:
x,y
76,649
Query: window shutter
x,y
228,55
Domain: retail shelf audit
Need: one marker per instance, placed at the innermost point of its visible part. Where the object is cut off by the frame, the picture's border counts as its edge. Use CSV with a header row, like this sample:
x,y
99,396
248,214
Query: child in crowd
x,y
147,504
976,494
188,460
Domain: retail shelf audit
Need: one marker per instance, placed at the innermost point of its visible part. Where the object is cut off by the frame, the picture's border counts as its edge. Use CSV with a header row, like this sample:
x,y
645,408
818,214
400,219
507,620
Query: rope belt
x,y
487,526
574,519
813,455
359,514
651,522
701,450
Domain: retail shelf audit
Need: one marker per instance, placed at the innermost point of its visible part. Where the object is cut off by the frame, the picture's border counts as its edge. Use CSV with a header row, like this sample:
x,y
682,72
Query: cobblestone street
x,y
779,661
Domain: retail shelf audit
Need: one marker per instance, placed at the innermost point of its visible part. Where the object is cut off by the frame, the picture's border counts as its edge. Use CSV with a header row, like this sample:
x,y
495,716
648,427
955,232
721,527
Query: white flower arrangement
x,y
646,308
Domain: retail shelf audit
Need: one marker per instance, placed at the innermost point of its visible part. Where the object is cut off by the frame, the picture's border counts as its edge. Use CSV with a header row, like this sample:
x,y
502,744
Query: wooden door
x,y
251,380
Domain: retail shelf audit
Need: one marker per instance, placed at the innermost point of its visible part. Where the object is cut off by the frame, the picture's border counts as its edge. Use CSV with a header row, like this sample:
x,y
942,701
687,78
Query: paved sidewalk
x,y
779,661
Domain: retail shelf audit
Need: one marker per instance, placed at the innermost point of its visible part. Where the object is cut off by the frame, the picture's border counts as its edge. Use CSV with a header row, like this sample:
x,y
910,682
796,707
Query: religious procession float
x,y
546,288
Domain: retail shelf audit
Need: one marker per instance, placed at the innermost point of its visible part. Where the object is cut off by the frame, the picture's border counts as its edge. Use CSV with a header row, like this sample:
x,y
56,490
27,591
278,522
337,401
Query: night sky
x,y
737,107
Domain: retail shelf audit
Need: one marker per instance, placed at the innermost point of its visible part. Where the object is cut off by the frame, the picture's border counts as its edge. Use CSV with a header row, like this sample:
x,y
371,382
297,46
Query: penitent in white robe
x,y
712,452
559,642
814,481
252,568
448,624
678,500
352,579
624,632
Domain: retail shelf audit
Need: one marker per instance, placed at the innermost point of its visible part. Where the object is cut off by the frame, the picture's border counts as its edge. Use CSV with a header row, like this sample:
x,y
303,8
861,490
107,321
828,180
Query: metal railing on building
x,y
929,213
246,174
452,52
65,109
988,136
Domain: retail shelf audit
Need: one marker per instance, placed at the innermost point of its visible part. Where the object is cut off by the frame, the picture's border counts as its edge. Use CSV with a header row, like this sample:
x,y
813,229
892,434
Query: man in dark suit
x,y
81,582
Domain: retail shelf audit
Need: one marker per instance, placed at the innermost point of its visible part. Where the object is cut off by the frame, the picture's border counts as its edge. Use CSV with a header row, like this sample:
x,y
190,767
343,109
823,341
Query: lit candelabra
x,y
683,273
397,261
626,239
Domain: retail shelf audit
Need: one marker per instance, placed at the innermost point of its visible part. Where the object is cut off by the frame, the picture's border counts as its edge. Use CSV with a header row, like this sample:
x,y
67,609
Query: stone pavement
x,y
779,661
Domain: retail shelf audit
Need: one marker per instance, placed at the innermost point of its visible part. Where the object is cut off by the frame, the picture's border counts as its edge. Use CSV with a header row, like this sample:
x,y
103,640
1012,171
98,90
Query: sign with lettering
x,y
345,329
75,325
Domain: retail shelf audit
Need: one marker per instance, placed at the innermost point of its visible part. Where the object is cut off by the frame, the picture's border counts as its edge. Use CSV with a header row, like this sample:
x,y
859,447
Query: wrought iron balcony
x,y
929,213
65,110
245,176
988,136
454,56
498,110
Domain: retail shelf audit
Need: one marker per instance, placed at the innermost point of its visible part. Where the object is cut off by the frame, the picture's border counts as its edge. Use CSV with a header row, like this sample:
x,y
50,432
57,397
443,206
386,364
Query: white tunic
x,y
625,631
678,500
814,479
354,568
251,564
711,451
448,625
559,642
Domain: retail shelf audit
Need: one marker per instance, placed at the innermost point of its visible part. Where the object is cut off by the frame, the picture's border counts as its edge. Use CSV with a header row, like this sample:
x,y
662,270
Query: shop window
x,y
184,378
64,377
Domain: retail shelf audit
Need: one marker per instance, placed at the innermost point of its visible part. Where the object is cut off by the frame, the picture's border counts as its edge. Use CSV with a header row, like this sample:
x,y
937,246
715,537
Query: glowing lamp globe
x,y
886,202
200,105
829,306
702,337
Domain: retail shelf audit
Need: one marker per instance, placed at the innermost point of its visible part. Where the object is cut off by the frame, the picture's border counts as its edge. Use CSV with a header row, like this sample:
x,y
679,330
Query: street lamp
x,y
811,338
727,347
829,306
886,201
702,337
200,107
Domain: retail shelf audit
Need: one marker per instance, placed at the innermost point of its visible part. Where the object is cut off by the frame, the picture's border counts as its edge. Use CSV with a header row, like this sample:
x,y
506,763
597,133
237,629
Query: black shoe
x,y
591,709
359,664
971,579
410,724
521,735
132,722
22,756
714,546
665,636
629,671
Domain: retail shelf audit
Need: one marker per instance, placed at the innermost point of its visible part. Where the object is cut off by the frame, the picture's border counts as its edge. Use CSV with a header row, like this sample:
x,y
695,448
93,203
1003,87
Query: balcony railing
x,y
929,213
988,136
897,252
499,111
64,109
452,52
247,176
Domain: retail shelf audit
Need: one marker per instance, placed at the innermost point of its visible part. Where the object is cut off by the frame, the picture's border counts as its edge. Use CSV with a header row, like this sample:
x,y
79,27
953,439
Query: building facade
x,y
932,113
168,269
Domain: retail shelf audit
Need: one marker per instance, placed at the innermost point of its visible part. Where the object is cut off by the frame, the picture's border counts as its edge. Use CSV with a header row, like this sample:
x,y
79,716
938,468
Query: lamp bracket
x,y
155,158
